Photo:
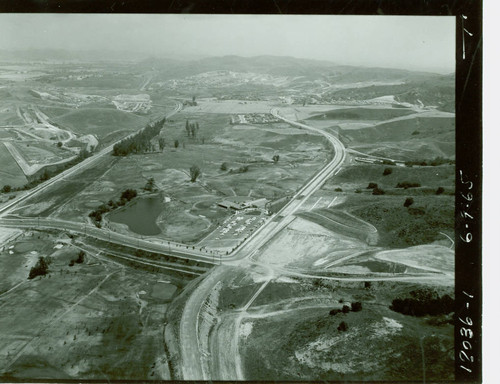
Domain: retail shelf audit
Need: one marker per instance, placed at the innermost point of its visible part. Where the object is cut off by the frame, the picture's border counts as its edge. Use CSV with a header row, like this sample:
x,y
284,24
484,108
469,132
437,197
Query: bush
x,y
223,167
372,185
439,191
358,191
409,201
338,189
387,171
356,306
378,191
415,133
342,327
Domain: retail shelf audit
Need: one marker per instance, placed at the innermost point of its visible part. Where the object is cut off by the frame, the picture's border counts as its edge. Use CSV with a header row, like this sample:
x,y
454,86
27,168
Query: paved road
x,y
71,171
190,352
174,249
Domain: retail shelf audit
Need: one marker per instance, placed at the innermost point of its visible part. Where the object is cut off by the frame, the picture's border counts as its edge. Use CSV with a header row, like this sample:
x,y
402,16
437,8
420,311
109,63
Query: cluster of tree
x,y
192,129
96,214
79,260
436,161
407,184
355,307
141,142
423,302
41,268
192,103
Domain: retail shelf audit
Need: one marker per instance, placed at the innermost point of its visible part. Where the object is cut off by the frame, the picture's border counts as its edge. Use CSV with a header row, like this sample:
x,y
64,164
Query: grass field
x,y
376,114
100,121
379,344
10,172
96,320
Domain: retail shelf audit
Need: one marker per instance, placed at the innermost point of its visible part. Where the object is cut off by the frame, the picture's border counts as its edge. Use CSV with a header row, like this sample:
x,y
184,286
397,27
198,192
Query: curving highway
x,y
192,367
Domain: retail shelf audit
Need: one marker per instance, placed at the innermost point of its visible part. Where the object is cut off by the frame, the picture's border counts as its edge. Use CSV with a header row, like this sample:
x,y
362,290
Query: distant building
x,y
231,205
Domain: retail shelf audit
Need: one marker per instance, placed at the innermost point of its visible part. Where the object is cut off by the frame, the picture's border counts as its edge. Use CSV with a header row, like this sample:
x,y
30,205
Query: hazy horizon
x,y
423,43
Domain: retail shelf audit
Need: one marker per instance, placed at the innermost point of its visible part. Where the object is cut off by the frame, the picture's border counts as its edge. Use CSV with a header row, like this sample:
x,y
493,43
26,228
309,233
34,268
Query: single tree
x,y
387,171
80,258
372,185
6,188
176,143
223,167
161,143
439,191
276,158
194,171
409,201
378,191
342,327
59,144
356,306
149,184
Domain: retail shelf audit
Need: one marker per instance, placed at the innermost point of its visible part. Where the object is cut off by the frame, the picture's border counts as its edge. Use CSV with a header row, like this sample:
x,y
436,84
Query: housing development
x,y
225,218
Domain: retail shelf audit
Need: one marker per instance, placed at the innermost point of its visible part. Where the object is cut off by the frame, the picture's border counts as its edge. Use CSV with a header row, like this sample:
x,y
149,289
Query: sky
x,y
408,42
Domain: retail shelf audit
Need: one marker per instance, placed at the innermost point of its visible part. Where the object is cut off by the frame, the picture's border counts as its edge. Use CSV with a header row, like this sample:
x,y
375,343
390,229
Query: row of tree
x,y
126,196
141,142
192,129
423,303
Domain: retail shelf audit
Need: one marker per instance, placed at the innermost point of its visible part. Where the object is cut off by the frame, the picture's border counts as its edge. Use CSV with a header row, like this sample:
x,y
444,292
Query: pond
x,y
140,215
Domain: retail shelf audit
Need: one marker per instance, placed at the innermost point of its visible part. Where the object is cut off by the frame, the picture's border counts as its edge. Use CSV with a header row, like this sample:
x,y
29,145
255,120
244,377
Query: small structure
x,y
231,205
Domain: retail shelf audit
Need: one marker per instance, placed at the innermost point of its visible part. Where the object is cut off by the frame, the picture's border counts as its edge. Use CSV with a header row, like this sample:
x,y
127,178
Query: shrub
x,y
223,167
439,191
372,185
409,201
387,171
415,133
358,191
378,191
342,327
356,306
338,189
